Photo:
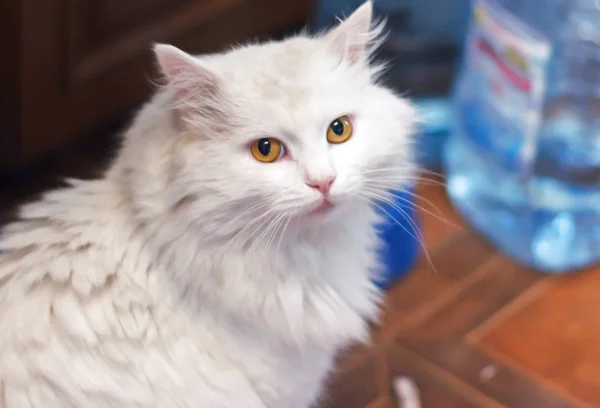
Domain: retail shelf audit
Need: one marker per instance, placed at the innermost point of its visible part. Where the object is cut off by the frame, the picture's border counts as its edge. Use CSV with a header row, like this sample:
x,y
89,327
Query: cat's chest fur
x,y
90,317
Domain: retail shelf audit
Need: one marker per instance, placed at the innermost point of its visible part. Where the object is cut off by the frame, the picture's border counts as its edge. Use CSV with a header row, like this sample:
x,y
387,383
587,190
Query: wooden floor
x,y
470,327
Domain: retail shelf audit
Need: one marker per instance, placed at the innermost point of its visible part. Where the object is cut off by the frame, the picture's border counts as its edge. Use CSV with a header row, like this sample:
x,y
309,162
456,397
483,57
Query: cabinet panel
x,y
76,64
106,34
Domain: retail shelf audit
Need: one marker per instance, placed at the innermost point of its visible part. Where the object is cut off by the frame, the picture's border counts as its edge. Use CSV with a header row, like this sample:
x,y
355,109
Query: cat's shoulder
x,y
66,309
72,236
58,264
57,286
83,327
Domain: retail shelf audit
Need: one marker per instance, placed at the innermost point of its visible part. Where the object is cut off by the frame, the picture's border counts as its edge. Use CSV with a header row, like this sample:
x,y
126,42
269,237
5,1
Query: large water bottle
x,y
523,162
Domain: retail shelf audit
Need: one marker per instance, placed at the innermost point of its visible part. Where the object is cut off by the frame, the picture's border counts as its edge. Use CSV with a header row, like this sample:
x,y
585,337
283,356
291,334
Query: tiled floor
x,y
470,327
476,330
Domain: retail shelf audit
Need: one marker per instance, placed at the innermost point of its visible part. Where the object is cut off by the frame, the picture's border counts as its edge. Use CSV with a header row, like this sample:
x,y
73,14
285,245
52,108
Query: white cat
x,y
229,251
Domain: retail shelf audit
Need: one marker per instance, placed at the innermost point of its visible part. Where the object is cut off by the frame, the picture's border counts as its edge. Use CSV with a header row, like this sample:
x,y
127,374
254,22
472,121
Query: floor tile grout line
x,y
544,383
519,302
434,250
439,246
460,233
416,269
350,361
379,402
446,377
384,386
431,308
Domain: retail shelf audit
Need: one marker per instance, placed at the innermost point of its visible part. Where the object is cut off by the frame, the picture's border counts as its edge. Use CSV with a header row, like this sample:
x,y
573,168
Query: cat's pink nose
x,y
323,185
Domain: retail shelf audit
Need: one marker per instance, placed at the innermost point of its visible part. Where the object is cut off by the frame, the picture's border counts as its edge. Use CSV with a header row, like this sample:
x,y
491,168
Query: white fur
x,y
164,284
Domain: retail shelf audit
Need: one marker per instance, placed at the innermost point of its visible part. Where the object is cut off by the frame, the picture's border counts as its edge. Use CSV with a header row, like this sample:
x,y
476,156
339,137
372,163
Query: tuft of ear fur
x,y
358,36
196,88
185,74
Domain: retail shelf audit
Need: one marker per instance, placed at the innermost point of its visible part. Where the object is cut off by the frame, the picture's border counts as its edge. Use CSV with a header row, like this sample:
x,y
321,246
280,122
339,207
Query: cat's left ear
x,y
185,74
356,36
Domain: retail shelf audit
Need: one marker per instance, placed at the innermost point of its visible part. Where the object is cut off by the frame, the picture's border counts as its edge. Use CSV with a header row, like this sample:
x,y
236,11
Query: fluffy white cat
x,y
228,253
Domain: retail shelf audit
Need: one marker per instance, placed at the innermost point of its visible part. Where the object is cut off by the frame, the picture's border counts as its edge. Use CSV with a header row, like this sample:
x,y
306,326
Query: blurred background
x,y
72,66
493,289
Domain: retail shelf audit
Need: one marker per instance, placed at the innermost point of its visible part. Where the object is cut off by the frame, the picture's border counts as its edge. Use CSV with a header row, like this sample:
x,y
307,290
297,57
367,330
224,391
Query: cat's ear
x,y
186,75
355,37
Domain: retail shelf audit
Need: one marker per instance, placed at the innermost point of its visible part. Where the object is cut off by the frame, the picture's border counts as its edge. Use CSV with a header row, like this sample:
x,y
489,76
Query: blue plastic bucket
x,y
401,247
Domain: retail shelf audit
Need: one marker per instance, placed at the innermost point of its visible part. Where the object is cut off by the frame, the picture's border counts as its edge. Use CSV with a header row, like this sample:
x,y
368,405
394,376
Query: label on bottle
x,y
507,60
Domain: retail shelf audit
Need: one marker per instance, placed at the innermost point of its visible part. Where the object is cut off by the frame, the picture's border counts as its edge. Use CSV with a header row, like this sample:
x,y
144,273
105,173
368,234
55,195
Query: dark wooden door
x,y
74,64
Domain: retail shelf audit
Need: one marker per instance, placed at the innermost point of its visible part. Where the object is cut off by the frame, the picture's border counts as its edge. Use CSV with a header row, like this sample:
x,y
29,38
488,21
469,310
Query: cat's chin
x,y
317,215
322,209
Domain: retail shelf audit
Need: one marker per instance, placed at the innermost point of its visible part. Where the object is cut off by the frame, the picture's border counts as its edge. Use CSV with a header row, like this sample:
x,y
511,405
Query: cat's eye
x,y
267,150
339,130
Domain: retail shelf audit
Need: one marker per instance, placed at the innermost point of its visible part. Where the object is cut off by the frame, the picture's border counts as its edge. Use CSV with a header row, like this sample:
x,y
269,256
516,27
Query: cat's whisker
x,y
375,198
414,204
409,204
375,201
264,232
406,170
258,227
249,239
274,232
386,169
425,173
439,215
249,210
394,185
285,226
397,208
270,235
420,239
403,179
408,177
255,207
431,173
240,234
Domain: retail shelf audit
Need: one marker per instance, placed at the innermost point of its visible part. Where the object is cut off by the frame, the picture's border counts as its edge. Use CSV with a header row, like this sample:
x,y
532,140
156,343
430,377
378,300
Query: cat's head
x,y
290,130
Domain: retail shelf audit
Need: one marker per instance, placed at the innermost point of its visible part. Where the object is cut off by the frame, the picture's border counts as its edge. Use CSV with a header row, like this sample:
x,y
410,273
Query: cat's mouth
x,y
324,208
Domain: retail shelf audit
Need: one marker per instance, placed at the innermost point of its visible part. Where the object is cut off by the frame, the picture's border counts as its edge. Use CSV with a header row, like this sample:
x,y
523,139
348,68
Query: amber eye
x,y
339,130
267,150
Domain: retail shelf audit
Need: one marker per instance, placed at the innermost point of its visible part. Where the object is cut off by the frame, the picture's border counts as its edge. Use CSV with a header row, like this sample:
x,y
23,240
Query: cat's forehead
x,y
297,65
286,58
288,75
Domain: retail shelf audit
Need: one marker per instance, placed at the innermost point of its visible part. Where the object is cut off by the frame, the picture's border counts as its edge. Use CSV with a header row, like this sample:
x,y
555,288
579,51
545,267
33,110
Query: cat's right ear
x,y
356,37
185,75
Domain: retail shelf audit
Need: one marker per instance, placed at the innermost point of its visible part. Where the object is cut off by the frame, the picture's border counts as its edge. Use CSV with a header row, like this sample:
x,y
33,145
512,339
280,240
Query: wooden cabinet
x,y
68,66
